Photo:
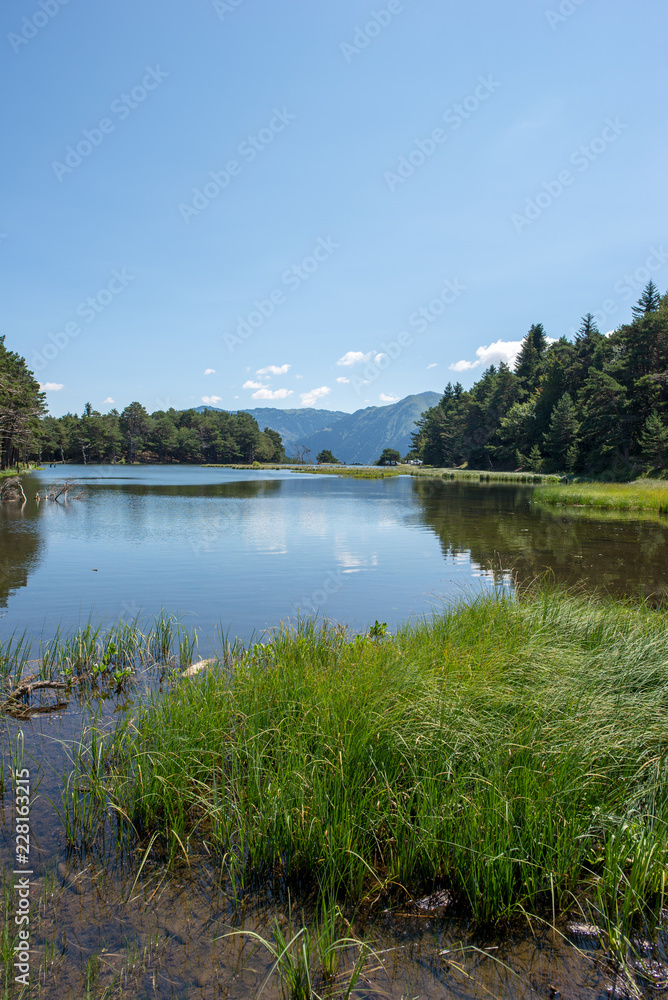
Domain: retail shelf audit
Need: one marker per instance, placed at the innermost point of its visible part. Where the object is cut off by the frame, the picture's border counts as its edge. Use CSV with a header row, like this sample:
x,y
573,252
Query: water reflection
x,y
499,529
244,551
20,546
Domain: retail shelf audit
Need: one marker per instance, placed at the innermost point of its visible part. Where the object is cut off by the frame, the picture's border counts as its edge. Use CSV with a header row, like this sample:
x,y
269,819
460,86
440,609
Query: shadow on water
x,y
20,546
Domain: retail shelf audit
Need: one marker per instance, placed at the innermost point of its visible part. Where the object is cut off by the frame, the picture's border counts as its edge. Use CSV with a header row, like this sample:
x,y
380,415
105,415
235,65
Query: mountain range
x,y
352,437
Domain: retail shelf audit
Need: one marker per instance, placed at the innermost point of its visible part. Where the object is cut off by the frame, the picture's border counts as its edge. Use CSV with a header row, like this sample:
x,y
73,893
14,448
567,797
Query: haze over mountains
x,y
352,437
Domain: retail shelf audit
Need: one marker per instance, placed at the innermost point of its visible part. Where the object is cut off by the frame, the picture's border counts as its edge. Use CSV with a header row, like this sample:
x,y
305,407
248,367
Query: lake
x,y
241,551
238,552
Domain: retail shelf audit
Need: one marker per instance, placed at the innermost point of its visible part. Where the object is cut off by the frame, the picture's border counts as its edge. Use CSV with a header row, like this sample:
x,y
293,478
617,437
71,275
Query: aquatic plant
x,y
510,751
643,494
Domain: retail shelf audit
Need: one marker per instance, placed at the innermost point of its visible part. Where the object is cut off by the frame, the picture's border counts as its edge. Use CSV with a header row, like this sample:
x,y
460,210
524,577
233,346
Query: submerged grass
x,y
643,494
90,658
510,751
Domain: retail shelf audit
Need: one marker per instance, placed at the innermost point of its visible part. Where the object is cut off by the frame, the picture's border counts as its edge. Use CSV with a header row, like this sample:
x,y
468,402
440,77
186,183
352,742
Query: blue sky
x,y
319,203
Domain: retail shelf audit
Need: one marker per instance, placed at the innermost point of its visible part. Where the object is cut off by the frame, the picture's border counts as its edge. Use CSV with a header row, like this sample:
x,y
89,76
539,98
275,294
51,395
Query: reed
x,y
643,495
511,751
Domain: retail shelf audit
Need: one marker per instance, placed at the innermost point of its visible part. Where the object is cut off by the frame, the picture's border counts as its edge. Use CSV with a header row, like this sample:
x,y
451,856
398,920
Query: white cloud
x,y
265,393
299,376
274,370
212,400
108,400
434,364
343,379
209,371
309,398
51,386
357,358
500,350
388,399
252,385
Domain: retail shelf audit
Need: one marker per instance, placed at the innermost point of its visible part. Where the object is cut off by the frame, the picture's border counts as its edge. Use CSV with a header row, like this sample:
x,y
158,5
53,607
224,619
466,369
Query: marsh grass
x,y
643,495
347,472
314,960
511,751
95,659
479,475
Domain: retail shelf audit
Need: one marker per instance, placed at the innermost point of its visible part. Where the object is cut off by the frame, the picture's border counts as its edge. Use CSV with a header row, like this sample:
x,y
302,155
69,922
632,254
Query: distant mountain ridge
x,y
352,437
361,436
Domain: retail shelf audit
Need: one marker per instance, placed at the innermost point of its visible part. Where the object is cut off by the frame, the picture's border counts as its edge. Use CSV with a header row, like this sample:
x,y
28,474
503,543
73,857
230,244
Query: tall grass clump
x,y
643,494
511,751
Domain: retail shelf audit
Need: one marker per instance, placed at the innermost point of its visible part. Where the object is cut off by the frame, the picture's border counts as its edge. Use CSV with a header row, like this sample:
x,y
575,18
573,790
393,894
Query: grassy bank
x,y
643,494
30,467
511,752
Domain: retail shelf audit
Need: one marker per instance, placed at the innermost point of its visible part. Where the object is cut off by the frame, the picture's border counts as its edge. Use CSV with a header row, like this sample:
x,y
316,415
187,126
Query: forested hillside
x,y
597,403
361,436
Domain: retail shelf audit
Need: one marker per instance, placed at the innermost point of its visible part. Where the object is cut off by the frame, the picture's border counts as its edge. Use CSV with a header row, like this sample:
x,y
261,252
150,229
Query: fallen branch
x,y
26,688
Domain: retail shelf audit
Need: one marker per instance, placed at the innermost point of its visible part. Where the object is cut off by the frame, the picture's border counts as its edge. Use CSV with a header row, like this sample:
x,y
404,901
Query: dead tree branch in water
x,y
60,491
12,491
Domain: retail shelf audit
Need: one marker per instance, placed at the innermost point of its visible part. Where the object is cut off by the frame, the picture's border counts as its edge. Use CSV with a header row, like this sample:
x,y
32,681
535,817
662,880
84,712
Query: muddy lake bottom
x,y
108,924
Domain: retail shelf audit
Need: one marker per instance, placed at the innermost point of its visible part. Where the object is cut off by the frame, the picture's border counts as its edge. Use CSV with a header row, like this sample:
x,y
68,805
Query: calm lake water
x,y
242,551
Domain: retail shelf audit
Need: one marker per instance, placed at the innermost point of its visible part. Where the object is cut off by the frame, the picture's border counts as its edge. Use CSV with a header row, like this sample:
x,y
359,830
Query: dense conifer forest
x,y
592,405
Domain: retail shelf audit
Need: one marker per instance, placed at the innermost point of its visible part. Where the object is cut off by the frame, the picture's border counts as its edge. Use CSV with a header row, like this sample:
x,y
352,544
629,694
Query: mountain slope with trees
x,y
361,436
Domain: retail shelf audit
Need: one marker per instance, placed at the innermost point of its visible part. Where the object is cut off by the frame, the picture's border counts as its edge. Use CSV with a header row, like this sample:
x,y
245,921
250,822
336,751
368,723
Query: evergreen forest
x,y
597,404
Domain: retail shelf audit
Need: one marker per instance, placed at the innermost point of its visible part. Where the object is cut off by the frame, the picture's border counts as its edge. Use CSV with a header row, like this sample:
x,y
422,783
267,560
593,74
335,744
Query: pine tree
x,y
535,459
587,329
22,402
529,362
648,302
605,411
563,432
537,334
654,440
572,456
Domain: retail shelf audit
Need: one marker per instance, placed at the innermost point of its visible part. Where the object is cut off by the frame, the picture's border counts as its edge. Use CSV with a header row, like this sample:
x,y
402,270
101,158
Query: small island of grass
x,y
642,495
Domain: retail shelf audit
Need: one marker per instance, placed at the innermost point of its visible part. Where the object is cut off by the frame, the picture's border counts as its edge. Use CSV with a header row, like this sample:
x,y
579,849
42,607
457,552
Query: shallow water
x,y
240,552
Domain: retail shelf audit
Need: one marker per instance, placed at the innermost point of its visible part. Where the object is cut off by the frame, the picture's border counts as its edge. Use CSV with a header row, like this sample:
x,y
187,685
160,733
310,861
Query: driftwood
x,y
13,705
195,668
11,491
60,491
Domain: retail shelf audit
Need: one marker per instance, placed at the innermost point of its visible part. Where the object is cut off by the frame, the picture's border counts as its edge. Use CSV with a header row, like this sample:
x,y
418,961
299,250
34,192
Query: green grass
x,y
511,751
643,494
350,472
479,475
92,658
30,467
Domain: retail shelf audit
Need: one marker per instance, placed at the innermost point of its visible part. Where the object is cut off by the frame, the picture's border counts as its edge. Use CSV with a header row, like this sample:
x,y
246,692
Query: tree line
x,y
28,433
597,403
22,403
134,435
